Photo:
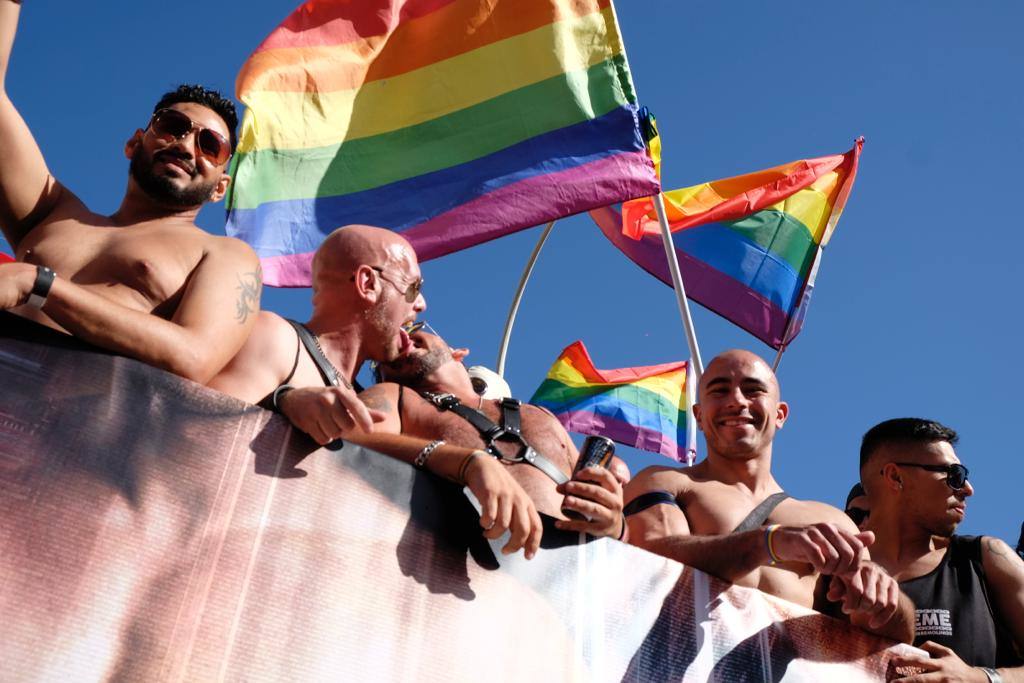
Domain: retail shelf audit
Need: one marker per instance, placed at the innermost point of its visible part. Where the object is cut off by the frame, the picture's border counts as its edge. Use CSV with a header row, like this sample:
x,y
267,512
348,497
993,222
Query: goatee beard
x,y
162,189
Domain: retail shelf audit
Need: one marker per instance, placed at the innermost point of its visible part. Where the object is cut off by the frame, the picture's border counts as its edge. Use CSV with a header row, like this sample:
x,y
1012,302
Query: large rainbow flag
x,y
643,407
749,246
451,121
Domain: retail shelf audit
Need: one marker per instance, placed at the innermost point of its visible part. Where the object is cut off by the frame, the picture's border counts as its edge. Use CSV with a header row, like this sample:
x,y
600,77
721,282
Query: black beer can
x,y
596,450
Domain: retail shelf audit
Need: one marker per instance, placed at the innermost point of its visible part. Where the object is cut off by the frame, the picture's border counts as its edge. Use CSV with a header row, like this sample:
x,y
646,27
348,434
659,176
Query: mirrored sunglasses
x,y
171,123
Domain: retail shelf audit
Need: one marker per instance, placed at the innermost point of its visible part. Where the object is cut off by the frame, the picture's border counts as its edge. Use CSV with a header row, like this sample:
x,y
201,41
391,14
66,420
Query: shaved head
x,y
366,280
349,247
733,358
738,406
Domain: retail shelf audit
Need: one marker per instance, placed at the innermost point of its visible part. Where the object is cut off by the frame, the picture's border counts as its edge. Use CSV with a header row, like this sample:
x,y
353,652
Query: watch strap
x,y
41,288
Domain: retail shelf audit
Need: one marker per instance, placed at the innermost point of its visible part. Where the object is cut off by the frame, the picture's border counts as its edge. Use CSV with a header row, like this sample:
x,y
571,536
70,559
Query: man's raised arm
x,y
27,190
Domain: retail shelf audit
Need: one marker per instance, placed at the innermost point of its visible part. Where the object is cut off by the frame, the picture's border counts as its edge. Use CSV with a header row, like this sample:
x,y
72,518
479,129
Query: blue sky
x,y
916,309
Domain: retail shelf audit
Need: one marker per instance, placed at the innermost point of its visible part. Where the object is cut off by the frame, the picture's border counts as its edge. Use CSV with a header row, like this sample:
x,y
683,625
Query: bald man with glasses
x,y
968,590
366,290
366,296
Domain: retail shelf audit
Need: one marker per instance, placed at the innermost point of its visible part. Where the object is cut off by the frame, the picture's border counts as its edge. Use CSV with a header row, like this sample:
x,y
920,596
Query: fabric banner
x,y
155,530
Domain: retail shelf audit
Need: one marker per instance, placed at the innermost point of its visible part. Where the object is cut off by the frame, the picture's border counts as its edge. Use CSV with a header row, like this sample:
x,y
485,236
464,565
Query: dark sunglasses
x,y
411,293
171,123
956,474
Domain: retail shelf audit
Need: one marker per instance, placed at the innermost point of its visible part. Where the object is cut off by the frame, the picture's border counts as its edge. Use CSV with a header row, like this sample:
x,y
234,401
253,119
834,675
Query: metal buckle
x,y
525,454
443,400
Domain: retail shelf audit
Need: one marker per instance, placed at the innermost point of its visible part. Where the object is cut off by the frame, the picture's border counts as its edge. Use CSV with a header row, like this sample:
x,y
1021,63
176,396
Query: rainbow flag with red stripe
x,y
451,121
749,247
643,407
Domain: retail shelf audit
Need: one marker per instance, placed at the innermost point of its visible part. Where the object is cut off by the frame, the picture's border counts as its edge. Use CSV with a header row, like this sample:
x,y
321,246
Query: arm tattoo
x,y
1005,555
250,286
377,403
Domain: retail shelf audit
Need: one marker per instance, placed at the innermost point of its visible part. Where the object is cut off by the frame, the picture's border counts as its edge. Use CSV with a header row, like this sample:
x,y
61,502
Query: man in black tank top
x,y
968,590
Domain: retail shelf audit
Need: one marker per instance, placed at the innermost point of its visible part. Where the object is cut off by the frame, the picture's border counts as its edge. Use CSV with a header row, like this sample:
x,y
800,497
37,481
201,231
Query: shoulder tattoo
x,y
381,403
250,286
1003,552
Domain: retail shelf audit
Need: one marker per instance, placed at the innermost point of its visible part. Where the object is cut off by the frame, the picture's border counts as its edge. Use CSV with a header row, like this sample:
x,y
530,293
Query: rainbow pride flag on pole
x,y
451,121
644,407
749,247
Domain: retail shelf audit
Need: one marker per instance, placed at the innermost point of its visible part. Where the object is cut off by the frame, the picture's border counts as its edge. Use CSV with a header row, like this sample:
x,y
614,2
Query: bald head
x,y
738,406
733,360
349,247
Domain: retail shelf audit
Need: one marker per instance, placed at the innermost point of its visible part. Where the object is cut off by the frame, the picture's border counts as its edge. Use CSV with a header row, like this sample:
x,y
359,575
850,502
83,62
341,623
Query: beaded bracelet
x,y
768,533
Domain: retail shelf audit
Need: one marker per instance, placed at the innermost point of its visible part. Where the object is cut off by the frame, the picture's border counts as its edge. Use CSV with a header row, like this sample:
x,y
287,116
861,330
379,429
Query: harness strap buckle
x,y
443,401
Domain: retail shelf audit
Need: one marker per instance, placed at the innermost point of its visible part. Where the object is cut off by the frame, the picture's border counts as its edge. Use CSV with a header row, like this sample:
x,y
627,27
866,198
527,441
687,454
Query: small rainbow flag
x,y
643,407
451,121
749,247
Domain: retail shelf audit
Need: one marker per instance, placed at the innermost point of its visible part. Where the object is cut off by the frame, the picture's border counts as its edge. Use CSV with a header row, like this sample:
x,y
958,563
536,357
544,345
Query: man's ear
x,y
696,416
368,284
459,354
781,413
133,142
221,188
891,477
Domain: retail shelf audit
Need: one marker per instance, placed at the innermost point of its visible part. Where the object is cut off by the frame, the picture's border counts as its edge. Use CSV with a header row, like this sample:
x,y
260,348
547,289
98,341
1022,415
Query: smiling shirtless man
x,y
729,517
145,281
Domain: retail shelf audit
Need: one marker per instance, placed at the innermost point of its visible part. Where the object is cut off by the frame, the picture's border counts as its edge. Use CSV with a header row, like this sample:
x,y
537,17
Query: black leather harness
x,y
509,430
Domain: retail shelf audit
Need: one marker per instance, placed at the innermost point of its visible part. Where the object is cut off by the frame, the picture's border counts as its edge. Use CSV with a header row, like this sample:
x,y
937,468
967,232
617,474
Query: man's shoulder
x,y
228,247
662,478
272,338
386,391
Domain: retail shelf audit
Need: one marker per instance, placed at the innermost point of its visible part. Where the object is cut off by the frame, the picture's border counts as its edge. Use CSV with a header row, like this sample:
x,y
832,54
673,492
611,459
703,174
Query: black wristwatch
x,y
41,288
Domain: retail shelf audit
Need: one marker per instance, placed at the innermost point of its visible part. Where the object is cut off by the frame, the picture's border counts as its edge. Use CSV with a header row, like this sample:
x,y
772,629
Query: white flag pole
x,y
677,283
507,335
801,310
691,419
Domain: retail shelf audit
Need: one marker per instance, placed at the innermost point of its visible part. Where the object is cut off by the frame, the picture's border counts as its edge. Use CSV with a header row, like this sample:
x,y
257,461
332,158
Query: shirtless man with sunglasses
x,y
145,281
968,590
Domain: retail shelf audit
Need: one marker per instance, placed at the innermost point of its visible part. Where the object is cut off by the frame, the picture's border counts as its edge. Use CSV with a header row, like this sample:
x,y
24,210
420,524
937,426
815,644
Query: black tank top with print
x,y
953,607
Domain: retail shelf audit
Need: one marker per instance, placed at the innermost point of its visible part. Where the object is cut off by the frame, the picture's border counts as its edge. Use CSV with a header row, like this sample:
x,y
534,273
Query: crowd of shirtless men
x,y
147,283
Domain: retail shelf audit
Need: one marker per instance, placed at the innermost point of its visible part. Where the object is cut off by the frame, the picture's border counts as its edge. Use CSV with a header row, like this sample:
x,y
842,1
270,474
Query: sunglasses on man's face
x,y
171,123
411,293
956,474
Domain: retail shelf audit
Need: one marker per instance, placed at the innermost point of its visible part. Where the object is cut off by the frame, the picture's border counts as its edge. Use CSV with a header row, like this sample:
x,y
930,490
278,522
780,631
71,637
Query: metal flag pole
x,y
801,310
691,419
677,283
507,336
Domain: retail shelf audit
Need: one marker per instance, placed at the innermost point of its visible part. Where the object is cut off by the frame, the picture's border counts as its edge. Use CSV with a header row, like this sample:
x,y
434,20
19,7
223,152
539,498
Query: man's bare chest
x,y
712,510
145,268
